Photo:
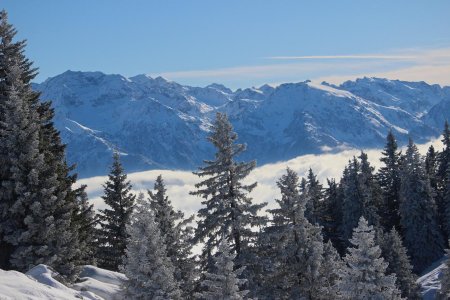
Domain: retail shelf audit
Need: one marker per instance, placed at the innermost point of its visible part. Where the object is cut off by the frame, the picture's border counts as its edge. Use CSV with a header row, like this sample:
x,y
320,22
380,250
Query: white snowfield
x,y
98,284
40,284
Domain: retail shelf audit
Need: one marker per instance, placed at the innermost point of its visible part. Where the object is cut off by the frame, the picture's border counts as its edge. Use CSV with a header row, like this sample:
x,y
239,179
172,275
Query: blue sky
x,y
238,43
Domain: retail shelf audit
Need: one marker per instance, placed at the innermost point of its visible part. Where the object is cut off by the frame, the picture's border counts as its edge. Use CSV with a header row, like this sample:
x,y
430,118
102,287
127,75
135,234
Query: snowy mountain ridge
x,y
156,123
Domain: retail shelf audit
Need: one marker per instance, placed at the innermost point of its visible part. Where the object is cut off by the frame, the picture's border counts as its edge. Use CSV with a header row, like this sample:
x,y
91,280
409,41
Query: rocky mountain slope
x,y
156,123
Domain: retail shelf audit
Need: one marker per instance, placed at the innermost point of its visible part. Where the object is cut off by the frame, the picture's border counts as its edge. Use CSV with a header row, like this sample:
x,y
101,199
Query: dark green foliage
x,y
420,229
389,178
112,236
36,199
395,254
227,210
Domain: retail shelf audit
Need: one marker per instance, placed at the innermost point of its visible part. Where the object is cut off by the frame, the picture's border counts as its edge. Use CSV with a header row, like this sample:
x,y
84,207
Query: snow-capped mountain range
x,y
156,123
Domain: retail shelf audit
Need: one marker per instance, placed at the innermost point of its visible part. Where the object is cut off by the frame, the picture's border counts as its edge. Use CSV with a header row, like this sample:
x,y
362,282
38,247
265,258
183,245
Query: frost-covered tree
x,y
177,235
417,209
365,276
35,203
389,177
149,271
227,208
112,235
395,254
224,283
297,263
446,201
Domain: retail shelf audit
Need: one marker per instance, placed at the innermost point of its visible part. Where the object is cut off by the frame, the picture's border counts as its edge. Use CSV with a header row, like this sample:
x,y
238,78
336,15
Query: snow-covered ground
x,y
97,284
40,283
430,280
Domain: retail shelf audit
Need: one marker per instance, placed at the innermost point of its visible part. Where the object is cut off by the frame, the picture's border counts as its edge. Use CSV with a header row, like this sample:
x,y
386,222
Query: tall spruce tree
x,y
224,283
395,254
176,234
389,177
112,235
333,214
418,215
86,220
227,207
314,205
443,186
36,204
365,276
149,271
361,195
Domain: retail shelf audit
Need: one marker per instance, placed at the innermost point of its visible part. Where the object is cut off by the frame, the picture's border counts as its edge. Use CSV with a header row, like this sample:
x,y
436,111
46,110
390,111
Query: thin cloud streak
x,y
319,57
432,65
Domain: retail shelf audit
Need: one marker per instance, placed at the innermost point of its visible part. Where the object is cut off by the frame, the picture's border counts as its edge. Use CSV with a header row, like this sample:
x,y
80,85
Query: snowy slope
x,y
40,283
156,123
430,280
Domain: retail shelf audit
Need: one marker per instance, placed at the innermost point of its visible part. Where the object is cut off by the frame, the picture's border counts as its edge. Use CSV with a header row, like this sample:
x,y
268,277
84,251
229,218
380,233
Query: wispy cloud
x,y
320,57
430,65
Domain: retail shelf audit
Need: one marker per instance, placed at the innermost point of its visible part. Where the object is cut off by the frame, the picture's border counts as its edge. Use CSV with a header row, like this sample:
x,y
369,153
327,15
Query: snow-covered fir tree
x,y
365,276
227,208
389,177
177,235
112,235
36,205
418,217
224,283
297,264
149,271
395,254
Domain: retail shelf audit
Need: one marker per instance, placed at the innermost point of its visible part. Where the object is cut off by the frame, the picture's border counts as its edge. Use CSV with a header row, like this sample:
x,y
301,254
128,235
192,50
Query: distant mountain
x,y
156,123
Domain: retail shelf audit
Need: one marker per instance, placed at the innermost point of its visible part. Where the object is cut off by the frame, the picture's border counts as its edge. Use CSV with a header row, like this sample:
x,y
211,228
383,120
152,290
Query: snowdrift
x,y
99,284
39,283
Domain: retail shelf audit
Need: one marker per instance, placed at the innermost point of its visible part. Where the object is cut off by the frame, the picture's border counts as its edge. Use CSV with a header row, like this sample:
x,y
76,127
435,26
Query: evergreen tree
x,y
420,230
146,265
112,234
35,204
224,282
446,203
177,235
365,276
431,166
351,201
389,177
443,186
361,195
227,208
395,254
314,205
296,262
332,220
85,219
